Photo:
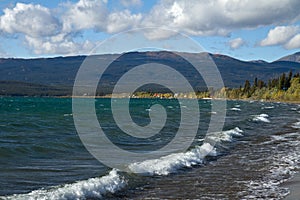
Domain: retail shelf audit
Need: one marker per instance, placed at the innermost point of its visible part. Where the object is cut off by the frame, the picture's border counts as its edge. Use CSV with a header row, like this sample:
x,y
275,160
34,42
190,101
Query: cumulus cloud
x,y
218,17
52,46
85,14
294,43
286,36
279,35
119,21
236,43
45,31
93,14
29,19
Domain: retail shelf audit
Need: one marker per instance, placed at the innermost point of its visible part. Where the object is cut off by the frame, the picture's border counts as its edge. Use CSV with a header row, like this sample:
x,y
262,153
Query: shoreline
x,y
293,185
136,97
227,99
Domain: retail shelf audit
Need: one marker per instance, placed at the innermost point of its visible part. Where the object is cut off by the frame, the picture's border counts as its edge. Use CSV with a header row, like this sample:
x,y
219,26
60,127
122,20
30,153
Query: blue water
x,y
42,156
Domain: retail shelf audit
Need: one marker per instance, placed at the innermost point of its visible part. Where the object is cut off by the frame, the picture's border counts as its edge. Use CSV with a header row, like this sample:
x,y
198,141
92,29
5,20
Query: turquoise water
x,y
42,156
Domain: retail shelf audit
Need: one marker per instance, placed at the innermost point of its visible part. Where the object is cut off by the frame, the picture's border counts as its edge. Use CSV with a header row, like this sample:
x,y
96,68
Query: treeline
x,y
16,88
286,87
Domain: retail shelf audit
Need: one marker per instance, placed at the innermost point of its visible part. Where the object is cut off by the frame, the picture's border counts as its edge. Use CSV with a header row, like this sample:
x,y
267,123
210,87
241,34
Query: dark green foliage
x,y
282,88
247,88
260,84
57,75
15,88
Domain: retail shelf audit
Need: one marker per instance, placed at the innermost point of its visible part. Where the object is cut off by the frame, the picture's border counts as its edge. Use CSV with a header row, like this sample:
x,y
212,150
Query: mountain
x,y
258,61
56,75
291,58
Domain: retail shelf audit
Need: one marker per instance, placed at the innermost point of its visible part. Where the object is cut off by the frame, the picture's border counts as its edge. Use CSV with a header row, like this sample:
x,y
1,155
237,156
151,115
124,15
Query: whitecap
x,y
92,188
296,125
235,109
170,163
262,118
225,136
268,107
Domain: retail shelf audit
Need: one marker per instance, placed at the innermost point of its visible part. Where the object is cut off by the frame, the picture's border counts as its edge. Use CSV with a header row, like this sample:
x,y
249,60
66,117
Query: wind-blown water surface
x,y
41,155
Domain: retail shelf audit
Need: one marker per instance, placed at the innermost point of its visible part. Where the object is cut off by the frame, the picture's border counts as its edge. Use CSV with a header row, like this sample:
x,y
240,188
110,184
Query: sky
x,y
244,29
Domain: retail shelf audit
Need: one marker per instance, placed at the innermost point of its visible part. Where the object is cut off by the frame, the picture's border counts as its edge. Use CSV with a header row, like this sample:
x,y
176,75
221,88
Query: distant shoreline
x,y
136,97
230,99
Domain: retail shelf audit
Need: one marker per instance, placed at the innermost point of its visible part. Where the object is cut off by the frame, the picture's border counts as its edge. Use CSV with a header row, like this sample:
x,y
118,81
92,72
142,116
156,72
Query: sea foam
x,y
93,188
296,125
170,163
262,118
283,166
173,162
225,136
267,107
235,109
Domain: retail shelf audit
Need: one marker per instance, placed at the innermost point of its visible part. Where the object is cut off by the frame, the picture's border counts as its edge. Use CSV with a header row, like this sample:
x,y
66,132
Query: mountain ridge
x,y
60,72
292,58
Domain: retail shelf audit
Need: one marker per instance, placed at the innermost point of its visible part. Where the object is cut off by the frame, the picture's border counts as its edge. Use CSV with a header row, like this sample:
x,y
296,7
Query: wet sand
x,y
294,187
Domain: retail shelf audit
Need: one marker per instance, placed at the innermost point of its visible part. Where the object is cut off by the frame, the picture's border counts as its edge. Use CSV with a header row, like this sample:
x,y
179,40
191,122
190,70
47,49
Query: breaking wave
x,y
173,162
262,118
85,189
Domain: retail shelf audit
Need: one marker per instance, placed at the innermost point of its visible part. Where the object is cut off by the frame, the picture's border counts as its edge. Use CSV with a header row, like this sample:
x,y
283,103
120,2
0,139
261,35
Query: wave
x,y
95,188
235,109
262,118
268,107
85,189
226,136
173,162
296,125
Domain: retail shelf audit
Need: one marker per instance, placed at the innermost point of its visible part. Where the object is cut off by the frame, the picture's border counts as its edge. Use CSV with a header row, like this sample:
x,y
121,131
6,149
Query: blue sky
x,y
247,30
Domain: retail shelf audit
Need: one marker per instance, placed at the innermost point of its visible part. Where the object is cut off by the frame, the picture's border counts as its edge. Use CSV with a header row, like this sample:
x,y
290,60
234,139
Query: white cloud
x,y
219,17
279,35
159,33
47,31
93,14
46,34
29,19
120,21
85,14
294,43
286,36
65,47
236,43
